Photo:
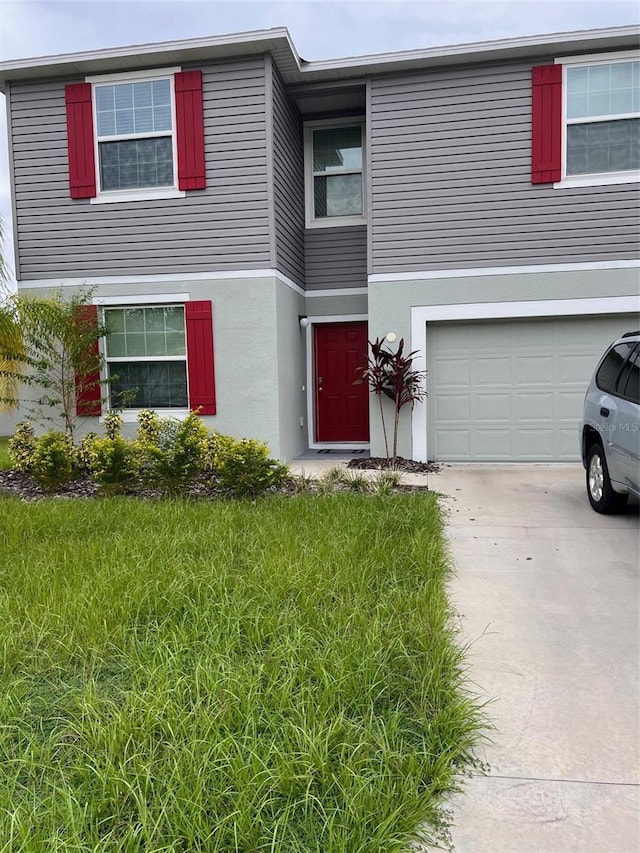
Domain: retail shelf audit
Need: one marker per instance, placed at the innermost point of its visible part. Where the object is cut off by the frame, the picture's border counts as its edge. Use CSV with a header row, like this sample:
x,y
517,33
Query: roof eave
x,y
278,42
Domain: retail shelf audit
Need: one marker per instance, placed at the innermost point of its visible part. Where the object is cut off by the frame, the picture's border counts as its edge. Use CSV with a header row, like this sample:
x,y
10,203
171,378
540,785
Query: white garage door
x,y
512,390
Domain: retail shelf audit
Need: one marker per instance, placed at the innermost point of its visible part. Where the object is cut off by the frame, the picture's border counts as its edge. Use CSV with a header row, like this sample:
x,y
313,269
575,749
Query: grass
x,y
5,459
227,676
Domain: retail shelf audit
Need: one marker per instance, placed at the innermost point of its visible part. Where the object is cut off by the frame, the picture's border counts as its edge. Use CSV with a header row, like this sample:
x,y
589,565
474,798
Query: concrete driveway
x,y
549,599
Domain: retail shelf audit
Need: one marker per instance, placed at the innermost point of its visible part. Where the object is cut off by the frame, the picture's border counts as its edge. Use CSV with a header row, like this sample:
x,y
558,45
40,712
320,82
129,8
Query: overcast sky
x,y
320,30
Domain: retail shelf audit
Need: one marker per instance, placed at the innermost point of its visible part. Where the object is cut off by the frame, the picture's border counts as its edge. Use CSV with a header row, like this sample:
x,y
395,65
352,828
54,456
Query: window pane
x,y
601,90
603,146
155,385
134,163
123,95
124,121
629,381
142,95
126,108
337,148
610,367
338,195
141,332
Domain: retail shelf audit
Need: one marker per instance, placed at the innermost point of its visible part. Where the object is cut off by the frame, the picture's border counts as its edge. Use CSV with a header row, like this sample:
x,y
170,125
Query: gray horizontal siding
x,y
224,227
450,180
335,257
288,183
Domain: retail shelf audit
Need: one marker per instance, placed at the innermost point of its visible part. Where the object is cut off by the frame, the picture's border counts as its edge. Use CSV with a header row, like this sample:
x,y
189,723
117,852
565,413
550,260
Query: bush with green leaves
x,y
112,424
174,455
84,452
245,467
114,463
53,460
148,427
22,445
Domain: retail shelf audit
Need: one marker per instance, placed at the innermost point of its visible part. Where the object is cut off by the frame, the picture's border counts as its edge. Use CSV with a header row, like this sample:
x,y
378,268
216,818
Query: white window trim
x,y
595,179
331,221
144,193
146,301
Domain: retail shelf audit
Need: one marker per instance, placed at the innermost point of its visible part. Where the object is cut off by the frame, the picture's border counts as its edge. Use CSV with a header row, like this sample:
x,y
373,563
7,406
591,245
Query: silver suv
x,y
611,426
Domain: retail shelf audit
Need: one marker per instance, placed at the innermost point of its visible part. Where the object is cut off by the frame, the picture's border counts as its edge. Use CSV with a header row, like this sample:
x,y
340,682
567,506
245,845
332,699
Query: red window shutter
x,y
82,167
546,124
89,398
190,130
200,364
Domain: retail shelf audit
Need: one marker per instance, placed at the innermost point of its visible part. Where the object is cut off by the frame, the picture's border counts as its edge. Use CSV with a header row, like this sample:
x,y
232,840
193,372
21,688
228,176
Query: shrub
x,y
22,445
112,424
113,463
148,427
177,455
84,452
245,467
53,459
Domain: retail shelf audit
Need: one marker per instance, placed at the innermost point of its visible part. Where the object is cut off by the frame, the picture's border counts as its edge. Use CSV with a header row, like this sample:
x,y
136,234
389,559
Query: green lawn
x,y
227,676
5,459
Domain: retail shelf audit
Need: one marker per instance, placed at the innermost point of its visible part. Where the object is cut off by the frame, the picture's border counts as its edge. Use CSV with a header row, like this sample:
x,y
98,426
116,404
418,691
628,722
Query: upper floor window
x,y
585,120
134,124
138,135
334,157
603,118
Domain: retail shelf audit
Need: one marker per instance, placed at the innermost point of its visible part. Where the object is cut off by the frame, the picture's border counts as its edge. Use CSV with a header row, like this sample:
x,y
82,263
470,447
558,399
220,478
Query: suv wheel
x,y
601,495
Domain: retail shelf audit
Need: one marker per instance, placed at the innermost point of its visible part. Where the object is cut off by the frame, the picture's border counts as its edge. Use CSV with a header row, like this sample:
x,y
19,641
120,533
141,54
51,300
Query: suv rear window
x,y
629,382
610,368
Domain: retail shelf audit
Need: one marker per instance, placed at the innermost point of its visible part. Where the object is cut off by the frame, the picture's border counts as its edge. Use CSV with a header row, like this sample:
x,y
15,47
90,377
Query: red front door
x,y
342,408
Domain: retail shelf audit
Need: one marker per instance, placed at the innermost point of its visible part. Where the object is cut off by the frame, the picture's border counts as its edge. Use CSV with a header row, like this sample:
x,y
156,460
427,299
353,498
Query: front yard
x,y
278,675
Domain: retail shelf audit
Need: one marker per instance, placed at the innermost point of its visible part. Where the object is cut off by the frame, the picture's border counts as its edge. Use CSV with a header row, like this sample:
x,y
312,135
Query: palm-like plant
x,y
49,345
392,374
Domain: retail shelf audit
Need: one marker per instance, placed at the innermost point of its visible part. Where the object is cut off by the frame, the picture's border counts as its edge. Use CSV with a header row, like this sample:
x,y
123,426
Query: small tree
x,y
392,374
49,345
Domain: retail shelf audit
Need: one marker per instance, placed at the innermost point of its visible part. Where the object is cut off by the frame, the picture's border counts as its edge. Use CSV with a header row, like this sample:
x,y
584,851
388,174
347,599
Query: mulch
x,y
397,464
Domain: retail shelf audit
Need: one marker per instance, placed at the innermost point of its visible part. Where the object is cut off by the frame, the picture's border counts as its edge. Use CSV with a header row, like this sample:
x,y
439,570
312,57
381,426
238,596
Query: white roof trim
x,y
297,70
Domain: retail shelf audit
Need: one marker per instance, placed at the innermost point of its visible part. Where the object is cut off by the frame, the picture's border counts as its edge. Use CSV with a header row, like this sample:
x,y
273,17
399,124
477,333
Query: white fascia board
x,y
594,58
166,278
524,309
141,299
295,69
475,272
343,291
150,49
470,52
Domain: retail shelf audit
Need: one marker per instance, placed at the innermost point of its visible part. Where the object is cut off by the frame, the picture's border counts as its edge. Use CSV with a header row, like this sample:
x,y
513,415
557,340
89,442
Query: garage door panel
x,y
491,407
453,407
574,366
535,406
512,390
491,371
493,443
455,443
452,372
531,369
535,444
570,402
567,440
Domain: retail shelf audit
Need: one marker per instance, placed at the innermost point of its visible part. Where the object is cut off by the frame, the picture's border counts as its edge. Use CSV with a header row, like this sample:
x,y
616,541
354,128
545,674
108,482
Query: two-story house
x,y
248,219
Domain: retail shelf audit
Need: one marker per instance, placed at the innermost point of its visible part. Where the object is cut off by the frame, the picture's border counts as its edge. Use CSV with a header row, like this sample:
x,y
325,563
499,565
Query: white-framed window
x,y
601,119
135,136
335,173
146,356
